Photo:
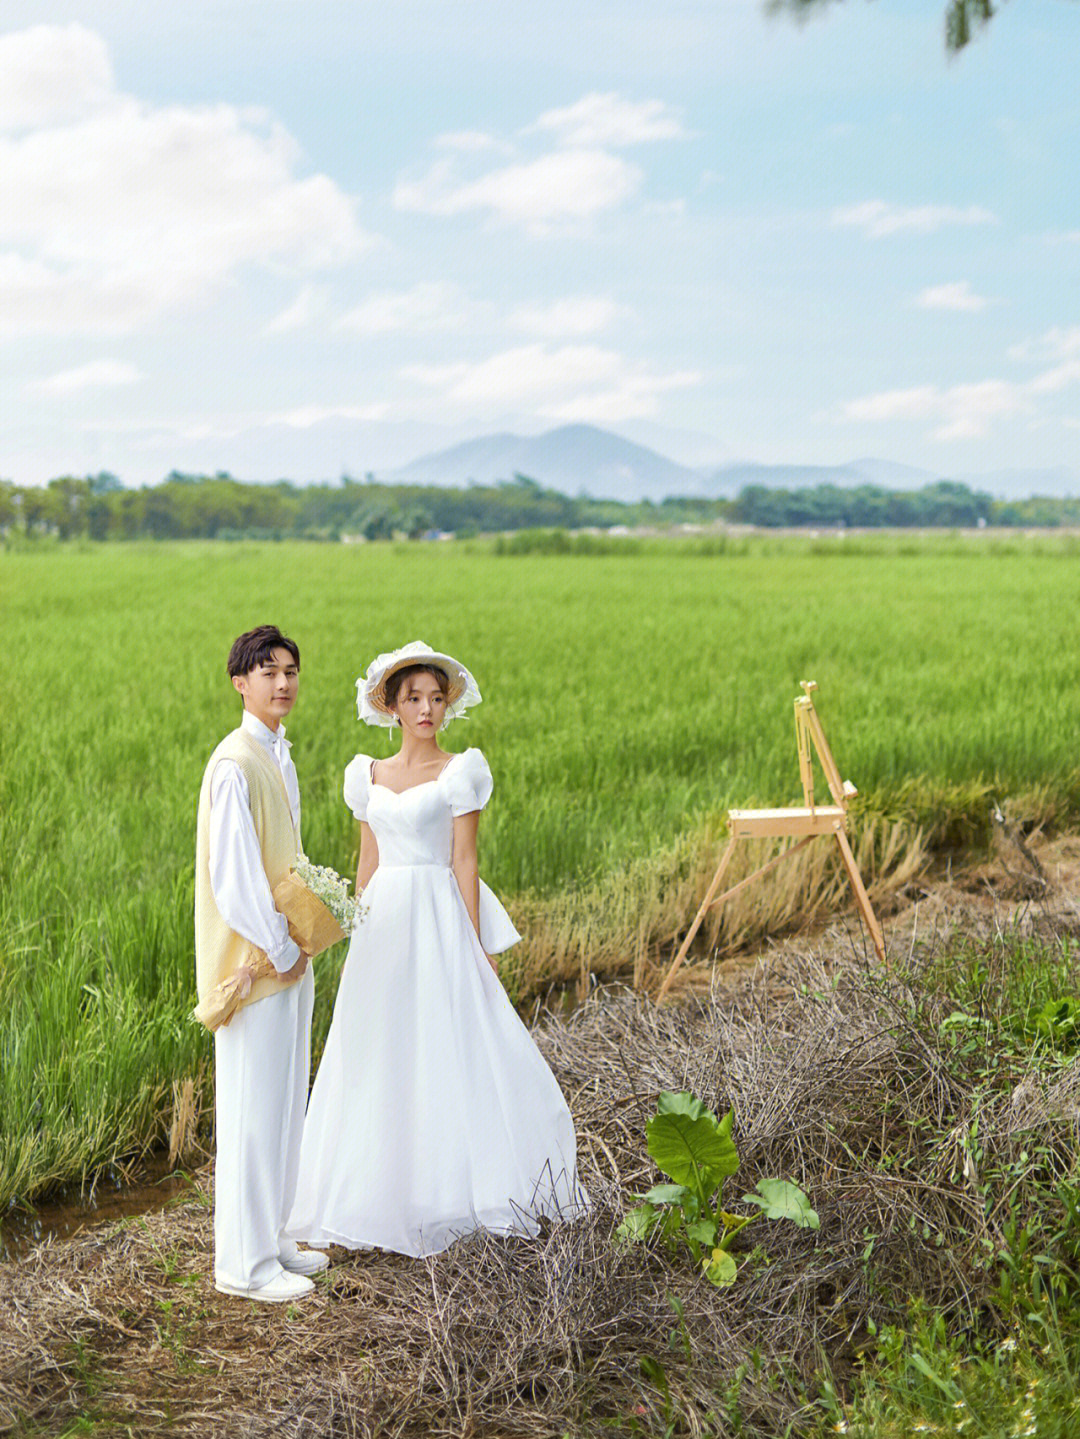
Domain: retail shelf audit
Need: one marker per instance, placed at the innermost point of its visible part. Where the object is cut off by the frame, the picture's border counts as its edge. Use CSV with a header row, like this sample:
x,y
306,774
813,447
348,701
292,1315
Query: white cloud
x,y
598,120
913,404
956,296
571,185
1060,377
95,375
877,219
1057,344
961,411
968,410
424,308
130,211
50,74
306,308
571,382
575,316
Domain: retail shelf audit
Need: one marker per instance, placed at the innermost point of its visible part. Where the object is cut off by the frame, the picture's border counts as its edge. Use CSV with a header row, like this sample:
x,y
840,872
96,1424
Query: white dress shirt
x,y
237,877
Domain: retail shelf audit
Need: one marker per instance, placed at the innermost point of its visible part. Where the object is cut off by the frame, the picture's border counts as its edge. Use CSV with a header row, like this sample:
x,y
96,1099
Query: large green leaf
x,y
689,1144
666,1194
638,1224
702,1231
780,1199
681,1101
720,1269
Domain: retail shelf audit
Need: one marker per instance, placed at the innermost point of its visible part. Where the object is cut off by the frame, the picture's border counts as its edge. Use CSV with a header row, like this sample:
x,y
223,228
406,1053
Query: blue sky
x,y
295,239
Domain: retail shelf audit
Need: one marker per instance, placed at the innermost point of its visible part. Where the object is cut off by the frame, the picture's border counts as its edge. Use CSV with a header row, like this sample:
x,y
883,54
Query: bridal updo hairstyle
x,y
257,647
398,678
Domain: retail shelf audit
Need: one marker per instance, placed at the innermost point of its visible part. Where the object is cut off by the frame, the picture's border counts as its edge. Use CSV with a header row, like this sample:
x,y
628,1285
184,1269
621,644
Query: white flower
x,y
326,884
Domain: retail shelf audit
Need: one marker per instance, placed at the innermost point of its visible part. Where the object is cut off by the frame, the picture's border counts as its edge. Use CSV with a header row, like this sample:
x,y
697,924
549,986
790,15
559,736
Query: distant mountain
x,y
583,459
575,459
572,458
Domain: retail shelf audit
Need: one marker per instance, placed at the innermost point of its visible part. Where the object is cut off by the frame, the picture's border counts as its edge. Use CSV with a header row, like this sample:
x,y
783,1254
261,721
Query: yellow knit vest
x,y
219,949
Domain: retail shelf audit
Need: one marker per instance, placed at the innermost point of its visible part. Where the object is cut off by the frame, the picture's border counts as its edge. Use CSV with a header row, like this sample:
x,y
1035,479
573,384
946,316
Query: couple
x,y
433,1113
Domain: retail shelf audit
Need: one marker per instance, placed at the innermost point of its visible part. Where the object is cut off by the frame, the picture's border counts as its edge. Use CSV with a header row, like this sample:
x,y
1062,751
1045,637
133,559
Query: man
x,y
248,838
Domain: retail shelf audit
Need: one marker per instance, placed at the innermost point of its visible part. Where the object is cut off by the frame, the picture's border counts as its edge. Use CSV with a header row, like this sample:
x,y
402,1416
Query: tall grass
x,y
629,698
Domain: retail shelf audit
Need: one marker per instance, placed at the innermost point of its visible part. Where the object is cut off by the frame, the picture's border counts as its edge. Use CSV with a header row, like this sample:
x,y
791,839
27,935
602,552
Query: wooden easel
x,y
806,823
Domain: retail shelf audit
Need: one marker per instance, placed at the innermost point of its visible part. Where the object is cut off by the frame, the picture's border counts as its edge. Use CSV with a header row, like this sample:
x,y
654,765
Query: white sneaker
x,y
279,1290
304,1261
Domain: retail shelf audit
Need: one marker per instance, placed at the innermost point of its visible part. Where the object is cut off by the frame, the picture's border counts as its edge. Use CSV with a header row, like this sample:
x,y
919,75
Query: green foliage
x,y
695,1149
945,505
927,1376
528,518
1008,1365
689,1145
1057,1023
220,507
964,19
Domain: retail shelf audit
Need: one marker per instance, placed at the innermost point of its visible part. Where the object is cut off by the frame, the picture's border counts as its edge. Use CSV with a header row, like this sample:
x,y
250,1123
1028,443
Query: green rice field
x,y
630,695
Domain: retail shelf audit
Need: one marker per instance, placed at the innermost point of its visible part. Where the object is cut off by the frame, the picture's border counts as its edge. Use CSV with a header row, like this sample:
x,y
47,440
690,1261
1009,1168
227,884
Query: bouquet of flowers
x,y
316,902
328,887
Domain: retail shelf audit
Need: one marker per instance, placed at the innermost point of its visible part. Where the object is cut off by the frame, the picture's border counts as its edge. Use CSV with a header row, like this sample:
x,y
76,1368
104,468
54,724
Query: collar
x,y
268,738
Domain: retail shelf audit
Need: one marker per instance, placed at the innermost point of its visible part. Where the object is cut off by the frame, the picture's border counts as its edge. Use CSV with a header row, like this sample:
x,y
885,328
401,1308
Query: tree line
x,y
98,507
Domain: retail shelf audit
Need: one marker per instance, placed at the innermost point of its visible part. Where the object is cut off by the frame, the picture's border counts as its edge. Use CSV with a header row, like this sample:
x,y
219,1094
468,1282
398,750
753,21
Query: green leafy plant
x,y
1057,1023
697,1153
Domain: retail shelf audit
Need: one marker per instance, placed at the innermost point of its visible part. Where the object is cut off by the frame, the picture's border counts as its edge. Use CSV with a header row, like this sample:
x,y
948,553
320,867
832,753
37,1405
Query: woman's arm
x,y
467,871
369,857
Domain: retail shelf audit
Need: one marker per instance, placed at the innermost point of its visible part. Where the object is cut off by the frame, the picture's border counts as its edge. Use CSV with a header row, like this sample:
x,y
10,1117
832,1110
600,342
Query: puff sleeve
x,y
468,782
357,786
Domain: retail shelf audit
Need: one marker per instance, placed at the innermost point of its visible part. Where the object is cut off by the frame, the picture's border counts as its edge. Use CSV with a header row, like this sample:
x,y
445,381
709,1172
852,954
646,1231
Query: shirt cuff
x,y
284,958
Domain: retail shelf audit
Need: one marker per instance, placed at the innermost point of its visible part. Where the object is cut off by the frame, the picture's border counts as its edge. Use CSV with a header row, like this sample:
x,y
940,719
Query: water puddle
x,y
153,1185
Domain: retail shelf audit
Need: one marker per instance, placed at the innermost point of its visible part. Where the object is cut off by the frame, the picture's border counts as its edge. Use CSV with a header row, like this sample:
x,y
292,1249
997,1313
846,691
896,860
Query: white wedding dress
x,y
433,1113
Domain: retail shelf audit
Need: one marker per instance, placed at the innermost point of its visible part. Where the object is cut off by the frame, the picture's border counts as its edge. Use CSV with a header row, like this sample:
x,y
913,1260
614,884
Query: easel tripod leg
x,y
705,903
862,899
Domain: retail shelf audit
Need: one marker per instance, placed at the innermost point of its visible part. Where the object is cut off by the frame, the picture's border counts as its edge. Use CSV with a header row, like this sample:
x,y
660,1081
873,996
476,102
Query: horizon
x,y
703,483
258,239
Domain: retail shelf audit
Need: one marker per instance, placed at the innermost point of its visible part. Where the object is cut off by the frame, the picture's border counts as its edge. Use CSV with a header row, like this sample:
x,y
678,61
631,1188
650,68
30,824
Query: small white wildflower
x,y
326,884
1007,1346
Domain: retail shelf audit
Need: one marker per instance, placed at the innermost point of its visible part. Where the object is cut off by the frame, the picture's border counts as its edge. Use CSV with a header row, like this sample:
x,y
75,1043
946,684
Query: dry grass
x,y
839,1078
624,927
629,925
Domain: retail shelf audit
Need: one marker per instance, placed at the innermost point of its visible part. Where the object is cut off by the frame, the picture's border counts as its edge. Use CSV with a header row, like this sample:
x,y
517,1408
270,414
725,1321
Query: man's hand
x,y
298,970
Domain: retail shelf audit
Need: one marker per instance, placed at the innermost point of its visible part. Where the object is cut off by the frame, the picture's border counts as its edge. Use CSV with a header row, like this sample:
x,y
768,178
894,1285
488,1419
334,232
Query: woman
x,y
433,1113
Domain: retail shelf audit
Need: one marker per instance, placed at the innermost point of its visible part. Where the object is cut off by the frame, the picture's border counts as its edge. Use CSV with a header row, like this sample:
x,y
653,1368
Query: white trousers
x,y
262,1059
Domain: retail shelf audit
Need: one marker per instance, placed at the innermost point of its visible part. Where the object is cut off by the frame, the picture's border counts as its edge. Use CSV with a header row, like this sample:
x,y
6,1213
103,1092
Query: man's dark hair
x,y
257,647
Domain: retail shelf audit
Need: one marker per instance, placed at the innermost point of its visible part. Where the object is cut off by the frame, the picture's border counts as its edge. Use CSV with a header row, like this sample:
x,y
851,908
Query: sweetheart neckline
x,y
377,784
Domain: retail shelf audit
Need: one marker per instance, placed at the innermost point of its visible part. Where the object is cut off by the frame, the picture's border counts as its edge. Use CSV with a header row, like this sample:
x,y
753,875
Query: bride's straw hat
x,y
371,706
